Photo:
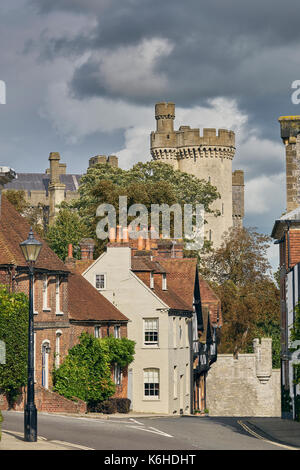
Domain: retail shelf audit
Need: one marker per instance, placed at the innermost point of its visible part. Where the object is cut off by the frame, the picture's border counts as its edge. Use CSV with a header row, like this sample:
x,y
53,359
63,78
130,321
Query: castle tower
x,y
208,156
290,134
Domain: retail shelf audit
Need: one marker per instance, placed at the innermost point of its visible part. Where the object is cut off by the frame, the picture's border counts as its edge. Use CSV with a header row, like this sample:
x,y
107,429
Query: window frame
x,y
152,331
156,385
104,281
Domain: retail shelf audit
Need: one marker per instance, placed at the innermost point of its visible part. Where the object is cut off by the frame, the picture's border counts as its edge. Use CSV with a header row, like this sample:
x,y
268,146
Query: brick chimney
x,y
70,261
87,247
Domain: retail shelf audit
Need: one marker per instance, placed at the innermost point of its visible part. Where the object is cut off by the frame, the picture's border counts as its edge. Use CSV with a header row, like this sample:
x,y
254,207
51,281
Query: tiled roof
x,y
144,263
41,181
210,299
14,229
181,277
180,281
87,304
81,265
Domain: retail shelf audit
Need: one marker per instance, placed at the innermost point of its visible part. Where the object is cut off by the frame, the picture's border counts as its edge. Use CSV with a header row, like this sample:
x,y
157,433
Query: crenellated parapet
x,y
187,142
207,154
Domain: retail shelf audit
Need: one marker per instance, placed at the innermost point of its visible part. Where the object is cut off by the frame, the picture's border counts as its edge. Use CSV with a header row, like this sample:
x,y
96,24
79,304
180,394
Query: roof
x,y
180,280
87,304
41,181
14,229
292,217
210,299
181,277
81,265
144,263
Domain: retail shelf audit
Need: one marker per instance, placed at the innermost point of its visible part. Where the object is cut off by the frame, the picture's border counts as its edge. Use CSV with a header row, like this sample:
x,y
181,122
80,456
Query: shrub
x,y
85,372
123,405
110,406
106,407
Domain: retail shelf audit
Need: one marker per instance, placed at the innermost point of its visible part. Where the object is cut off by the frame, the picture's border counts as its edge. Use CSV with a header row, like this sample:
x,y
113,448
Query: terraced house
x,y
65,304
154,286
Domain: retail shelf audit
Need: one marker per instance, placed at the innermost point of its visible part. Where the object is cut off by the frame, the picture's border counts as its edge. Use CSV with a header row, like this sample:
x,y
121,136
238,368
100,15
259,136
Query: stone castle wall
x,y
246,386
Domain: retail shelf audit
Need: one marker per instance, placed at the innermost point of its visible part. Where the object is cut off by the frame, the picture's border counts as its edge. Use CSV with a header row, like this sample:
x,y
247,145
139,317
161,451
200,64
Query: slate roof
x,y
14,229
40,182
87,304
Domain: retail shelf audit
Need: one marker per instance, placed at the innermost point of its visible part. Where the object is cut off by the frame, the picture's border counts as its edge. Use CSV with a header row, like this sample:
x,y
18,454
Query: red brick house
x,y
65,304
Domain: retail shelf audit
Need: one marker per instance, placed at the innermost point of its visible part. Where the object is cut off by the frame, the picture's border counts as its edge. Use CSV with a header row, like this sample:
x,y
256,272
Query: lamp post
x,y
31,249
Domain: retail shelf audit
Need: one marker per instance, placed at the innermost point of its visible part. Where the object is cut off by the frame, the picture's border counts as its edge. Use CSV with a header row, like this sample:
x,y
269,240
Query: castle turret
x,y
208,156
290,134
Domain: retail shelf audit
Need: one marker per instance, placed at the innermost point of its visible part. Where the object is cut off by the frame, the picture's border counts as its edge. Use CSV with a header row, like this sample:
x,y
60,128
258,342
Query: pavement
x,y
12,440
282,431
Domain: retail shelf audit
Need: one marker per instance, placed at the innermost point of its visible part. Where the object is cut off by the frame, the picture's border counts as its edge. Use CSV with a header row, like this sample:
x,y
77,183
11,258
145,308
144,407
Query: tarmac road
x,y
144,433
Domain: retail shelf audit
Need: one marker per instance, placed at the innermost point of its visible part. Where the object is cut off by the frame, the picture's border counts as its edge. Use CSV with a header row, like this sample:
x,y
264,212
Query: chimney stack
x,y
87,246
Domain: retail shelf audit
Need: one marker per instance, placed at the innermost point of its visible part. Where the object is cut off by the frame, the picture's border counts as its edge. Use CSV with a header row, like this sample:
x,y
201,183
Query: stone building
x,y
246,385
207,157
286,232
51,188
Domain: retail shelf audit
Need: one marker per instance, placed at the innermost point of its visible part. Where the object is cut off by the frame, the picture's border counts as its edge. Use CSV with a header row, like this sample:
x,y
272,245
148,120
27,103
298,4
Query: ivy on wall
x,y
14,312
86,371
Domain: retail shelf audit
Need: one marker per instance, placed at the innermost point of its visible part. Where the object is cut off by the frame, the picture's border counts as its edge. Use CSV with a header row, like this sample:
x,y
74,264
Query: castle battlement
x,y
207,154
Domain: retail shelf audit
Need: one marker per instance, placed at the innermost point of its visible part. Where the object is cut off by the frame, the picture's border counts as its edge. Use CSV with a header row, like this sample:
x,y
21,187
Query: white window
x,y
174,332
117,374
34,357
187,333
164,282
97,332
57,348
180,333
187,375
175,382
151,383
57,296
35,311
151,280
45,293
45,363
117,332
100,281
151,331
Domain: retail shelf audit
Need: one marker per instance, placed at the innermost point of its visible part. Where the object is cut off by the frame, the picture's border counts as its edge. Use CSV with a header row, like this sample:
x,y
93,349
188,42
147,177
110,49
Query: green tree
x,y
145,183
17,199
67,228
14,311
85,372
240,273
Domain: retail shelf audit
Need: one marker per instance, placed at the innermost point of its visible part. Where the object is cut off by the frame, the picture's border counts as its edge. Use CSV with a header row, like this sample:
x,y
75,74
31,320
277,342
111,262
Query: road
x,y
165,433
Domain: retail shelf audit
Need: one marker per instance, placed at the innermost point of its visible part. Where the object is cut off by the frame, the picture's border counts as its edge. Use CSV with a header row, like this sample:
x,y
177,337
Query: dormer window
x,y
164,281
151,280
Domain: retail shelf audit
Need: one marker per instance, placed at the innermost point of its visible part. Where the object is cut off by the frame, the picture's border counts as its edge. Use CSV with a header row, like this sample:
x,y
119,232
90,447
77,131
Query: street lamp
x,y
31,249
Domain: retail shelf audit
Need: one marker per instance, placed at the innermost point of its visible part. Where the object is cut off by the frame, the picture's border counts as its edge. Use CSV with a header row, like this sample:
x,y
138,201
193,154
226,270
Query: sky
x,y
82,78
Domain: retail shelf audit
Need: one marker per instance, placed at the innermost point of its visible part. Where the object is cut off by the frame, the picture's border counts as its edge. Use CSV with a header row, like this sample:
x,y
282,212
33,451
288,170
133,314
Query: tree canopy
x,y
67,229
240,274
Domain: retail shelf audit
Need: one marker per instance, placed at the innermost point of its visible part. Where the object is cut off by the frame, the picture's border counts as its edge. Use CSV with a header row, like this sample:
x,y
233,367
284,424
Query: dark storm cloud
x,y
232,48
